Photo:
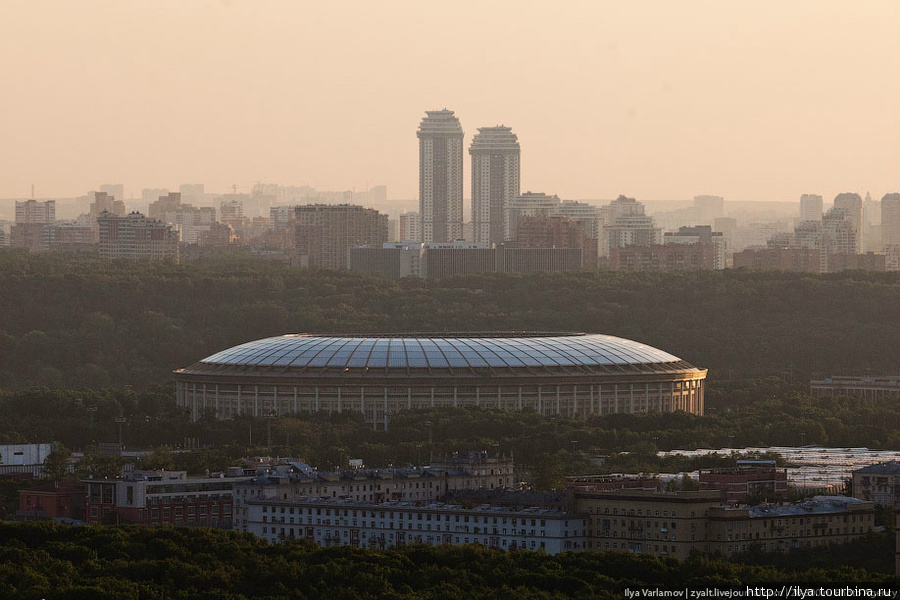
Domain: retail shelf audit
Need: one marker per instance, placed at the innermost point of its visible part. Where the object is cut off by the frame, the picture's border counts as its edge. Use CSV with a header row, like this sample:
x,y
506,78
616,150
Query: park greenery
x,y
547,448
47,561
74,322
87,350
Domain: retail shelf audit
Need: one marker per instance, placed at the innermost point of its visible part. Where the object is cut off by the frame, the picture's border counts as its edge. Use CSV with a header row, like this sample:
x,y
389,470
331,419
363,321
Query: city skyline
x,y
659,102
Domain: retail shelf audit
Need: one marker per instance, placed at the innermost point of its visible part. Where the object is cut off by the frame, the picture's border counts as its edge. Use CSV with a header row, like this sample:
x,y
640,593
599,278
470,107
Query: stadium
x,y
571,374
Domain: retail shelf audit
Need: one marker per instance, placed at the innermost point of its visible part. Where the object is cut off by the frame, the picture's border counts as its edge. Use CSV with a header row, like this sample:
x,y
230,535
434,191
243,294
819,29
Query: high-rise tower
x,y
495,183
440,176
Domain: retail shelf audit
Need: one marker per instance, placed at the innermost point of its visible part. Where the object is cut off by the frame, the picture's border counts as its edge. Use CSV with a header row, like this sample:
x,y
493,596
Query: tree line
x,y
547,448
73,322
48,561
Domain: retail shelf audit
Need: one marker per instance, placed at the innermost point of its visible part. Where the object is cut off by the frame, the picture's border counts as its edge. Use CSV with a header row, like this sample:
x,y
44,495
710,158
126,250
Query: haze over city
x,y
761,101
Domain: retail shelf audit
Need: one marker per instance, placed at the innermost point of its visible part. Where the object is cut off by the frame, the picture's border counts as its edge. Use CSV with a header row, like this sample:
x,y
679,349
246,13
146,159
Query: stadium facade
x,y
571,374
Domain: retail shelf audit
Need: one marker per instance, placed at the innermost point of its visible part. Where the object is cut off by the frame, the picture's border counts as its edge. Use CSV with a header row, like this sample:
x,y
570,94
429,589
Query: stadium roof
x,y
504,350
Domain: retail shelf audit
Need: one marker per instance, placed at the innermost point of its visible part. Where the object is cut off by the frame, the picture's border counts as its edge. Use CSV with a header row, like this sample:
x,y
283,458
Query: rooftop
x,y
441,351
885,468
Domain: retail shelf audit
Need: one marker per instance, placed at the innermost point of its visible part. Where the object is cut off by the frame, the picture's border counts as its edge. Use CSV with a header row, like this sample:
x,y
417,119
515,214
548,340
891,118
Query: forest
x,y
53,562
76,322
84,342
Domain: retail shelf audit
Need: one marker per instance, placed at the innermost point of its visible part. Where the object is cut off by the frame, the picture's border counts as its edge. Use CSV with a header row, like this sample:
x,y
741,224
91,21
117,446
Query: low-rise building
x,y
867,388
878,483
390,524
663,257
462,471
25,459
52,500
750,479
678,523
820,521
161,497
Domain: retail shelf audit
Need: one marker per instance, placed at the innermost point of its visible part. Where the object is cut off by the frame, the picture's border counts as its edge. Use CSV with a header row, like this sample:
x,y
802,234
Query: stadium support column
x,y
239,401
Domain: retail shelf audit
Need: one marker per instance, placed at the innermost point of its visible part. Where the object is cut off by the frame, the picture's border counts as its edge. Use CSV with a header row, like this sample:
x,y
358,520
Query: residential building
x,y
628,226
879,483
162,497
759,480
52,500
870,261
326,232
807,260
866,388
70,237
495,183
663,257
218,234
135,237
727,225
531,204
701,234
810,207
440,176
410,228
677,523
839,236
890,230
170,202
32,211
556,232
592,217
231,212
151,195
32,236
853,204
103,202
395,524
539,260
32,220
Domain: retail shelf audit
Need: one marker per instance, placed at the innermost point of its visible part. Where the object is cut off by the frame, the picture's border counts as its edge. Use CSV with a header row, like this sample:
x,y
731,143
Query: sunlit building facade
x,y
576,375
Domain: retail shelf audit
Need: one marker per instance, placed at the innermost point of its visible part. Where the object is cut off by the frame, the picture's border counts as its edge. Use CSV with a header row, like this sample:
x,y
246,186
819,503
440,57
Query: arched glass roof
x,y
433,351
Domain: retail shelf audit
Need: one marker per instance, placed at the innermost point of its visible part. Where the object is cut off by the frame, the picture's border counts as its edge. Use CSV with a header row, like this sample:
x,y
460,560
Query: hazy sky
x,y
655,99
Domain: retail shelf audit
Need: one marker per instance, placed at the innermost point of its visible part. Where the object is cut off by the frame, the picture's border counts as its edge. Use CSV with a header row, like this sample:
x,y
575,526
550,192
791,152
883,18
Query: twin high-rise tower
x,y
440,176
495,183
495,179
